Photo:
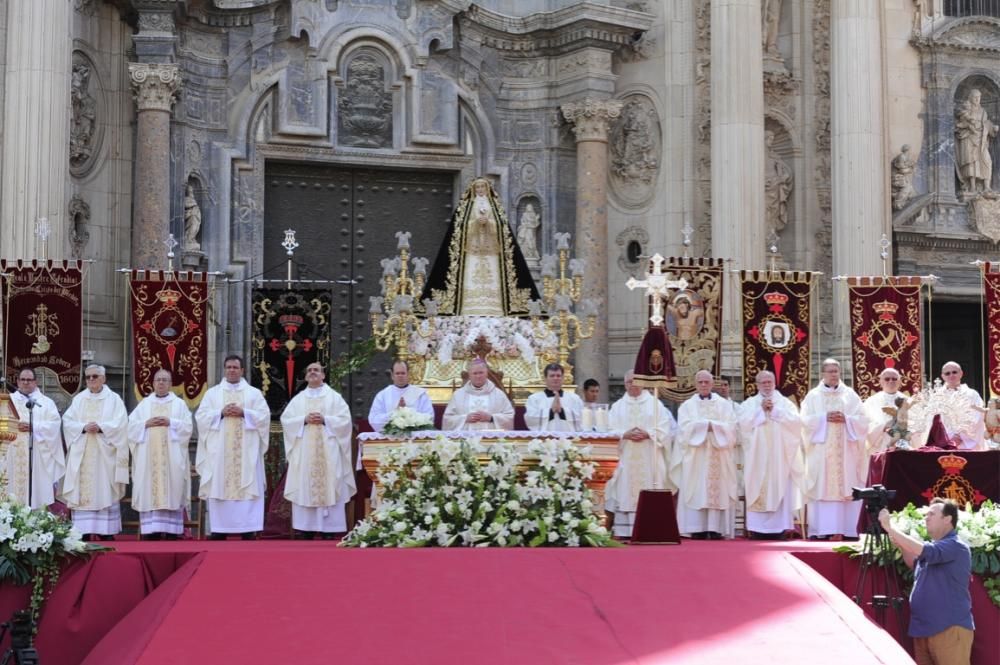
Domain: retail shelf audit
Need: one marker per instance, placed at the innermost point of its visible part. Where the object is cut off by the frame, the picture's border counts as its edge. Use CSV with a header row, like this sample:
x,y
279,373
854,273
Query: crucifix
x,y
290,244
657,284
42,231
170,242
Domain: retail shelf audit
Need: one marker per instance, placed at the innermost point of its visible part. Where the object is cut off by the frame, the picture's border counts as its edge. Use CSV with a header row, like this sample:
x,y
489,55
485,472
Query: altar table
x,y
918,476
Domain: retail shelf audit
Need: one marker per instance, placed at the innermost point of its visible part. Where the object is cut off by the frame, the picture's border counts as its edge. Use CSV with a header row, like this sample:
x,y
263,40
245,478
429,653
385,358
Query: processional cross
x,y
657,284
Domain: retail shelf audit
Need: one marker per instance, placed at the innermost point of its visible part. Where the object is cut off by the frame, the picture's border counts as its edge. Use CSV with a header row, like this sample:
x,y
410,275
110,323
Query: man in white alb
x,y
401,393
319,482
479,404
553,409
877,439
39,414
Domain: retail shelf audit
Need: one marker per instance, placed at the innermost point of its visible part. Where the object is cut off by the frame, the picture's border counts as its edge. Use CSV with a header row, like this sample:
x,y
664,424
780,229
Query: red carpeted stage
x,y
309,602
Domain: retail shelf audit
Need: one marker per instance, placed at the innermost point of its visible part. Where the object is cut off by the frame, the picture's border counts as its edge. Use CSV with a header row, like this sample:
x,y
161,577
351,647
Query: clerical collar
x,y
831,387
708,396
401,387
549,393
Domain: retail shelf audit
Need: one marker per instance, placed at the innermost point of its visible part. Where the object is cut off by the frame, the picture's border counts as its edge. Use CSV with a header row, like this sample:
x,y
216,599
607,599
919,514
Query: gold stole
x,y
834,449
91,456
638,459
232,432
713,480
158,457
314,455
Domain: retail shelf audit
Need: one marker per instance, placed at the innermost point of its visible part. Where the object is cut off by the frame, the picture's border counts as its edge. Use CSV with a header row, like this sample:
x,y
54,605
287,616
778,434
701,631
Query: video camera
x,y
22,634
875,497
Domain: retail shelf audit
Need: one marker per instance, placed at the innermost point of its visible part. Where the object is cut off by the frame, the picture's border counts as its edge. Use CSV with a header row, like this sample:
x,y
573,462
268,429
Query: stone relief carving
x,y
770,14
86,7
633,242
903,166
365,106
635,145
79,219
156,22
192,220
83,131
778,180
640,47
154,86
527,231
985,213
529,174
822,171
703,144
973,131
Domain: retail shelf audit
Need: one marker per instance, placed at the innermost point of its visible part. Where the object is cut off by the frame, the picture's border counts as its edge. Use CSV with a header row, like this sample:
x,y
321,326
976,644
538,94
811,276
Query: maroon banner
x,y
168,312
967,476
777,307
991,286
43,319
885,331
693,320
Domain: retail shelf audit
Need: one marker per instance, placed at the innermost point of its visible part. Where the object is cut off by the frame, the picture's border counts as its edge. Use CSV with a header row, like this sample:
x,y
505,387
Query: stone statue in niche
x,y
902,178
777,186
770,13
84,116
634,151
527,232
973,131
364,105
192,220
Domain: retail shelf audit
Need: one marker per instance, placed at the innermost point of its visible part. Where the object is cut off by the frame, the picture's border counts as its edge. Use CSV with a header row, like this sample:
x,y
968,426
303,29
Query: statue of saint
x,y
192,220
527,232
480,270
902,178
777,185
770,13
973,131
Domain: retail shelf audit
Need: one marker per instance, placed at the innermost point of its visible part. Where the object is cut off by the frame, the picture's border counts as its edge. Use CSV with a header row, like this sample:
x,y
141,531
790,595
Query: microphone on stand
x,y
31,403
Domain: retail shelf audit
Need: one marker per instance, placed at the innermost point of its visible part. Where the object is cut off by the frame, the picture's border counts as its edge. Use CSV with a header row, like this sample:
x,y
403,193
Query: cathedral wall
x,y
904,95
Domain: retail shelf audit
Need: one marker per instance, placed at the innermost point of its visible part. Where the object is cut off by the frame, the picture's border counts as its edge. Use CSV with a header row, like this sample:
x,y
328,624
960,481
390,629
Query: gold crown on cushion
x,y
776,298
952,463
168,295
885,307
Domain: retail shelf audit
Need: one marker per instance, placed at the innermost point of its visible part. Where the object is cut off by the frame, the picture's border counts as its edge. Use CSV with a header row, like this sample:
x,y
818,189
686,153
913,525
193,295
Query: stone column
x,y
36,115
859,187
738,219
591,119
154,87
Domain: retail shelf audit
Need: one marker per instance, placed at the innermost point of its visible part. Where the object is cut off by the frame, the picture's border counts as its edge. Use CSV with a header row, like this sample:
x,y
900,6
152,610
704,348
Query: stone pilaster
x,y
591,119
860,205
36,114
154,87
738,220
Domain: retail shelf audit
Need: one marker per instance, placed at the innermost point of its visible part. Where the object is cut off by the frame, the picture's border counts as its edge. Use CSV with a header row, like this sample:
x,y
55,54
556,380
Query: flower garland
x,y
440,494
449,337
404,421
980,530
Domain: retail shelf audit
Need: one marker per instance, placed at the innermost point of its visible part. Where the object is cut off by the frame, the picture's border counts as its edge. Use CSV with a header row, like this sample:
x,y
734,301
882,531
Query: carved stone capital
x,y
591,118
154,86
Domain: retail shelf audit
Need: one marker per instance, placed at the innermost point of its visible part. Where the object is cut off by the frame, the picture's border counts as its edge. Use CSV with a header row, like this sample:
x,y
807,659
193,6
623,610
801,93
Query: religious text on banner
x,y
291,329
43,315
991,285
169,320
776,332
693,319
885,331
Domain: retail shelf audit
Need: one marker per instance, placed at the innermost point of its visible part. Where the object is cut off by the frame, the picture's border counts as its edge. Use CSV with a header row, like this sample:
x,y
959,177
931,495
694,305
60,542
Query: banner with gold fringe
x,y
693,320
886,316
991,287
43,319
777,310
169,330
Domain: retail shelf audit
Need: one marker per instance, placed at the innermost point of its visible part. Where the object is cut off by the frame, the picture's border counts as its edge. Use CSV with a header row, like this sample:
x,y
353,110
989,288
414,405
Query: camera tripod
x,y
878,563
21,629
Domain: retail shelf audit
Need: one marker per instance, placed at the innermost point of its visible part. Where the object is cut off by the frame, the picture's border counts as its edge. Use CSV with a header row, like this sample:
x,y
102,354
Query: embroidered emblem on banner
x,y
776,332
169,325
952,484
886,337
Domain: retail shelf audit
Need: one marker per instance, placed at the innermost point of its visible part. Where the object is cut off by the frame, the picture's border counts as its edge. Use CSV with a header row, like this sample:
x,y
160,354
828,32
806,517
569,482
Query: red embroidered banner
x,y
43,316
169,331
776,324
991,285
693,319
885,331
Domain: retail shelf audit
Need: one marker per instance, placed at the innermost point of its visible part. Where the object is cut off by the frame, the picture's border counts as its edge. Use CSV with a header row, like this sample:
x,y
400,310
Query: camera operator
x,y
940,606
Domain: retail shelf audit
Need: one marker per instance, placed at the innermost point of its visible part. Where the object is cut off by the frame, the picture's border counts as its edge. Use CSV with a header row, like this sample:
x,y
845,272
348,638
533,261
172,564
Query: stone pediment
x,y
975,33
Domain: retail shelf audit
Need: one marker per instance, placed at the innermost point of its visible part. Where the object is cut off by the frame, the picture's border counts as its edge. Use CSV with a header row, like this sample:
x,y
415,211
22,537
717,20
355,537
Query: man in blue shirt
x,y
940,605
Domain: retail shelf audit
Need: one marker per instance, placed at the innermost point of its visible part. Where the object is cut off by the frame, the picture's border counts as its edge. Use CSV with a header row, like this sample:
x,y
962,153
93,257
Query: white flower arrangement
x,y
405,420
440,494
448,337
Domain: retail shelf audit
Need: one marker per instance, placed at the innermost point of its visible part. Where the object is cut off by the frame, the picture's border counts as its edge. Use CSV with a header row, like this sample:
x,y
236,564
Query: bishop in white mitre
x,y
48,462
879,419
159,434
233,421
773,467
95,428
643,453
320,481
401,393
479,404
553,409
703,465
834,433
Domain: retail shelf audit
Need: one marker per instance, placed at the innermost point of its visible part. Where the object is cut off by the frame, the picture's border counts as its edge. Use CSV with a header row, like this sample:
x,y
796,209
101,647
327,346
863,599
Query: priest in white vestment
x,y
703,465
648,429
48,462
553,409
834,433
401,393
878,439
773,466
479,404
159,435
95,428
971,435
233,427
319,481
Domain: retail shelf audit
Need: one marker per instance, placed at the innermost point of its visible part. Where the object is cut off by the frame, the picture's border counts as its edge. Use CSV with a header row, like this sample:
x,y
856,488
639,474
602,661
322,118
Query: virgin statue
x,y
480,270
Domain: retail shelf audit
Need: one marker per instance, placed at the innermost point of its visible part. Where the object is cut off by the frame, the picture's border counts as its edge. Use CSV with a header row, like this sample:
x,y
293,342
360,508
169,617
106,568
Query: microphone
x,y
31,403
